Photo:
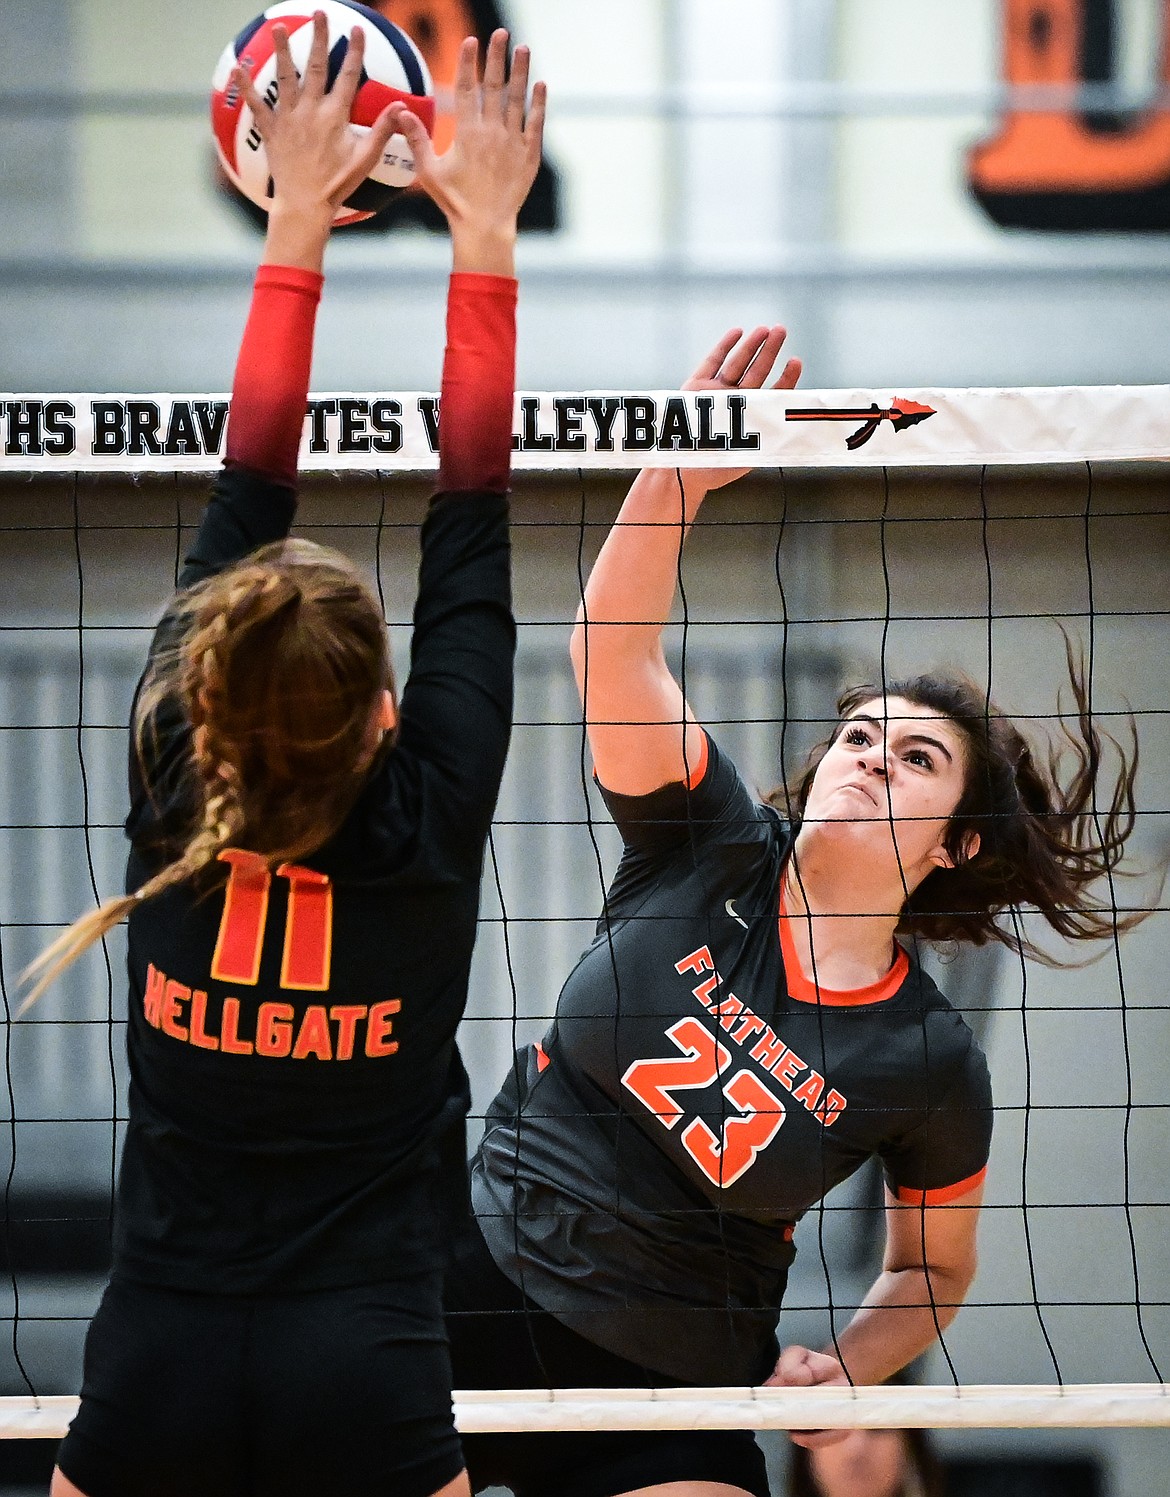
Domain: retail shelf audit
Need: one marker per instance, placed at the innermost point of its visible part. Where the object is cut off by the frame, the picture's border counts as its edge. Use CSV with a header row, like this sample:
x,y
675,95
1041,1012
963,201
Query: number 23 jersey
x,y
696,1094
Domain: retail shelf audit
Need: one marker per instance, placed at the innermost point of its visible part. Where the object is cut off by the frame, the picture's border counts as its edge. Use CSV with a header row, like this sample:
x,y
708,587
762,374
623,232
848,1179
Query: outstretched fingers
x,y
517,91
466,82
764,358
314,84
260,107
403,122
534,124
750,362
790,376
349,76
287,83
710,366
495,72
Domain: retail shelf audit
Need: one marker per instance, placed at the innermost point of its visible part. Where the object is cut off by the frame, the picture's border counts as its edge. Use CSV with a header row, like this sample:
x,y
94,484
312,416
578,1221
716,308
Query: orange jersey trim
x,y
805,991
695,777
689,779
943,1194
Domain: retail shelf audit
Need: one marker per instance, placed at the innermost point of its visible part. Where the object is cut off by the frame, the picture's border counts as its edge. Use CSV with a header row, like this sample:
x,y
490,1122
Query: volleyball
x,y
393,70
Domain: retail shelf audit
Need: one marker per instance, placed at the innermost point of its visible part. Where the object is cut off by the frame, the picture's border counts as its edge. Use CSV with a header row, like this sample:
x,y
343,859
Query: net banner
x,y
990,1406
724,429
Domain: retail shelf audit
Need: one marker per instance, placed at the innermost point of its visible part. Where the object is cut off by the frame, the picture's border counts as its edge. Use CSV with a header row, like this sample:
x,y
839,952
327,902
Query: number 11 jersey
x,y
296,1095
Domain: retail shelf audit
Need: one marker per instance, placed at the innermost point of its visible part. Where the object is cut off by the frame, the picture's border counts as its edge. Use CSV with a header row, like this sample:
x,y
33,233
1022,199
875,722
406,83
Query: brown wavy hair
x,y
1044,839
276,665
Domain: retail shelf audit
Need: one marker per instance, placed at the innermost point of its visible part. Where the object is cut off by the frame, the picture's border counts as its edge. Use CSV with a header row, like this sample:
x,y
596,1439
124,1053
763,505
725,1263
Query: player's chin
x,y
841,824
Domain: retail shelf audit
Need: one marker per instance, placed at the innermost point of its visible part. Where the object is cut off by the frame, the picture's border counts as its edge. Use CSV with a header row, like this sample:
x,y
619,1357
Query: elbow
x,y
966,1277
951,1285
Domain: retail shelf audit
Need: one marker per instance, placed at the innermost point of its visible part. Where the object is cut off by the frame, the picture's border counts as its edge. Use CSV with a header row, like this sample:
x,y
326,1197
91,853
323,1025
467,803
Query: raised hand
x,y
315,158
481,182
799,1367
739,361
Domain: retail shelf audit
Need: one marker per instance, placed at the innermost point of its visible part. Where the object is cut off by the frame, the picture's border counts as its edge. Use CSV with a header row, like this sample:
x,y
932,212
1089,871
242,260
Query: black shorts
x,y
500,1339
308,1395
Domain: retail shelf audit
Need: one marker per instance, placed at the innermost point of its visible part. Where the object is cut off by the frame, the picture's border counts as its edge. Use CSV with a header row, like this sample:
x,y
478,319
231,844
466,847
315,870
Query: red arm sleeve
x,y
271,388
479,378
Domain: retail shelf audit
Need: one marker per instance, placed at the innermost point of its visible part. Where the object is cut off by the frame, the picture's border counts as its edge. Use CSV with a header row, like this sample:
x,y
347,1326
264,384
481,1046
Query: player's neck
x,y
837,927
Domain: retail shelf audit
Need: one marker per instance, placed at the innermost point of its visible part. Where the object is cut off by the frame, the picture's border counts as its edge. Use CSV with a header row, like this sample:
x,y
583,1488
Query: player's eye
x,y
855,736
920,758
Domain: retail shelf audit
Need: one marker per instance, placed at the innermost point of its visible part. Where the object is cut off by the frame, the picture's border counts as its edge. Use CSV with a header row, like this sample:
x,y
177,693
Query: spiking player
x,y
745,1031
303,887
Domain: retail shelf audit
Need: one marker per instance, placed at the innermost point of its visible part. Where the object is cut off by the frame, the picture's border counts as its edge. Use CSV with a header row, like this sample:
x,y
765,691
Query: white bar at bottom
x,y
980,1406
1023,1406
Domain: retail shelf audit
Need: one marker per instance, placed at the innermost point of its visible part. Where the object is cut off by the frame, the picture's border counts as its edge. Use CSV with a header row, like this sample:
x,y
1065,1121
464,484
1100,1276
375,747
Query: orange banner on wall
x,y
1061,168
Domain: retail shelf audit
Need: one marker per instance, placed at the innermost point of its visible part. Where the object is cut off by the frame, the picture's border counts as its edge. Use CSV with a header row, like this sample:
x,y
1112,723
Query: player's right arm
x,y
315,160
641,731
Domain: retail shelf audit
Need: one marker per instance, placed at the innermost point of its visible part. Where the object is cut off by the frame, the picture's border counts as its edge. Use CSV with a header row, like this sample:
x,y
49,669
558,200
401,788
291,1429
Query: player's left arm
x,y
927,1270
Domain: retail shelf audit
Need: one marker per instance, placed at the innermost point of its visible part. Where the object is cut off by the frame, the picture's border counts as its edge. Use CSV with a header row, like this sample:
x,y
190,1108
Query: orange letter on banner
x,y
308,931
437,27
1050,168
241,927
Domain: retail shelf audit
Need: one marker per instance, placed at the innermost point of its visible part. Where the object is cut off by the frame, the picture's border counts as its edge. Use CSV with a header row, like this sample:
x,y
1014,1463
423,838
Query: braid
x,y
275,667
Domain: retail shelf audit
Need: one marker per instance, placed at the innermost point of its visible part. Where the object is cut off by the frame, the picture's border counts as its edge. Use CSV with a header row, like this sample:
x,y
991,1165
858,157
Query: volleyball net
x,y
879,534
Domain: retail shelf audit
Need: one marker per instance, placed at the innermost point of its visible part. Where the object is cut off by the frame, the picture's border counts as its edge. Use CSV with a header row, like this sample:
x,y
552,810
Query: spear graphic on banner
x,y
899,413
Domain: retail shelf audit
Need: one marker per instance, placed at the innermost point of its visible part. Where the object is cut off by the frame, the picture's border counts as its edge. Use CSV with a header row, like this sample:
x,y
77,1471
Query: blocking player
x,y
303,883
746,1030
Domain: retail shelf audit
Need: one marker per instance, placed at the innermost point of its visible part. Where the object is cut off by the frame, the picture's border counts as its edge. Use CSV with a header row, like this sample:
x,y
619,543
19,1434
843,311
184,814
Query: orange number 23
x,y
759,1112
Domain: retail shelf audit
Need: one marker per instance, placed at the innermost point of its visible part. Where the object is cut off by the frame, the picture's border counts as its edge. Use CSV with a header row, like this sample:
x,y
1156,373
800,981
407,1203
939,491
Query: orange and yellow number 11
x,y
308,930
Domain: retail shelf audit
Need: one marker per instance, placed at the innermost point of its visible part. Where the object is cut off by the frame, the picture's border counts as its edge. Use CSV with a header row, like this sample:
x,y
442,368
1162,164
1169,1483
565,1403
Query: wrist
x,y
489,249
661,486
297,234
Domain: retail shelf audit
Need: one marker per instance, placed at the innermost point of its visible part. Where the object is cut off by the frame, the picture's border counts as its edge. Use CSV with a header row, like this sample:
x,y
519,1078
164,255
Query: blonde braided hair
x,y
278,665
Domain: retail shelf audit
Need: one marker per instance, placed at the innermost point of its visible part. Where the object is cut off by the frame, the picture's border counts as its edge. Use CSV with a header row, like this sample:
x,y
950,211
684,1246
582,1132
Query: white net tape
x,y
990,1406
601,430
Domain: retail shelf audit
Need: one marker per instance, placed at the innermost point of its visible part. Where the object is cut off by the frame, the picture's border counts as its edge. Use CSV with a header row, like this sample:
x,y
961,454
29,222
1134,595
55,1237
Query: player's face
x,y
890,782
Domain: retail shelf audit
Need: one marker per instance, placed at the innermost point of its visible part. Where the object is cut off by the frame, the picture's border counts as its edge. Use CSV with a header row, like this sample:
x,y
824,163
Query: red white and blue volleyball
x,y
393,69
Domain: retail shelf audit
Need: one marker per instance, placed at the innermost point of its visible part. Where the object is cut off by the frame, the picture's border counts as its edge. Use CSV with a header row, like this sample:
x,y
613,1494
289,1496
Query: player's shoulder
x,y
722,782
924,1001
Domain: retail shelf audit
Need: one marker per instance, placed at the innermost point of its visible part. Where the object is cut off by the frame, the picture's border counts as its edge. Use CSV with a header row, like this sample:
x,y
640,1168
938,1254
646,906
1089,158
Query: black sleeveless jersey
x,y
296,1095
643,1168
